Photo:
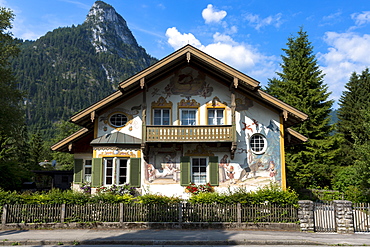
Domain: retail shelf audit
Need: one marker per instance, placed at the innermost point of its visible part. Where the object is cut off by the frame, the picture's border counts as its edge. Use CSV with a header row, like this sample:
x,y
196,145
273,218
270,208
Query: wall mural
x,y
247,169
187,82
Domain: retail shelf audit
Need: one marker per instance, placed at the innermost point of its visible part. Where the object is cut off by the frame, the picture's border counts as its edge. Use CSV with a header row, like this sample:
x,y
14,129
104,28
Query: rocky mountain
x,y
70,68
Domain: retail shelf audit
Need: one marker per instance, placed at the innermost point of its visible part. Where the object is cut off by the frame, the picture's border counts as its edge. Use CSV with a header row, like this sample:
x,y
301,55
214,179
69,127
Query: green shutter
x,y
78,171
185,171
135,172
213,170
97,171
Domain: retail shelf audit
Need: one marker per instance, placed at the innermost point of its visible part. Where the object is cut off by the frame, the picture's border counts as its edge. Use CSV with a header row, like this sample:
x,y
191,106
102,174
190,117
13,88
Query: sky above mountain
x,y
246,34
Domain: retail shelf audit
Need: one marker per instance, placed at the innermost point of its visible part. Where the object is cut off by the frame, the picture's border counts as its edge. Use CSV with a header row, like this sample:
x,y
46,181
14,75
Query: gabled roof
x,y
189,55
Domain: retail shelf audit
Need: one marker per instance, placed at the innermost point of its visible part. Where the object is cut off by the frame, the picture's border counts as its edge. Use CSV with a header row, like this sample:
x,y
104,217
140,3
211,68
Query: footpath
x,y
177,237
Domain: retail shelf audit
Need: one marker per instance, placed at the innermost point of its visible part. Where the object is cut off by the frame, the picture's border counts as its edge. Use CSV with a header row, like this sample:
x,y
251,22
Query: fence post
x,y
3,219
180,214
344,216
62,212
239,213
306,215
121,214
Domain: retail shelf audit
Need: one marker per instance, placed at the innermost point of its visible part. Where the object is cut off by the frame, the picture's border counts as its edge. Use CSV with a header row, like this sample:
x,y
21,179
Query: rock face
x,y
70,68
108,27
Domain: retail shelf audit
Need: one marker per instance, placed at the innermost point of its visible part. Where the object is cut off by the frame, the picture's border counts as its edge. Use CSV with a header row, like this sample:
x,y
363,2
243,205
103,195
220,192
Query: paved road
x,y
83,237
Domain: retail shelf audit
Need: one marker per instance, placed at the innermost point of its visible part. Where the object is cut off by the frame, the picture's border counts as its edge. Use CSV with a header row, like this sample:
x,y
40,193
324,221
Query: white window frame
x,y
118,172
216,116
87,176
200,174
162,116
118,125
258,143
116,162
195,116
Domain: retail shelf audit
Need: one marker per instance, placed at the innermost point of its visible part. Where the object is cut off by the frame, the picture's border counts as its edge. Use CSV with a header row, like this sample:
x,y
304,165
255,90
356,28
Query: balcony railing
x,y
213,133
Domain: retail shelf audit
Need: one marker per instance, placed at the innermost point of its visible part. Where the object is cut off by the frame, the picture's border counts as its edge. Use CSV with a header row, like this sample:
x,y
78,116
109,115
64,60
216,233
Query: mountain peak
x,y
108,27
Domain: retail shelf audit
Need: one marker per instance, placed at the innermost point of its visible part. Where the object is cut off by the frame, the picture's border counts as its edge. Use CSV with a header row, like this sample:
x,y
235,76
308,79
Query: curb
x,y
162,242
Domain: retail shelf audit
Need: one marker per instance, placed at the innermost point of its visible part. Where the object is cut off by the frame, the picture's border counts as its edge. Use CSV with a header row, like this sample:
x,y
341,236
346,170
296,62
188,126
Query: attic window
x,y
258,143
118,120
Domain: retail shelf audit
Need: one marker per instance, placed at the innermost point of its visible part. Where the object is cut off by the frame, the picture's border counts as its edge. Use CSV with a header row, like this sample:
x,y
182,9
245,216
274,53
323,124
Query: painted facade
x,y
187,119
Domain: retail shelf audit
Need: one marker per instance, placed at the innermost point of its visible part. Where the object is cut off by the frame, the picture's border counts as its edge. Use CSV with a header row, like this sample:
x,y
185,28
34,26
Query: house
x,y
189,118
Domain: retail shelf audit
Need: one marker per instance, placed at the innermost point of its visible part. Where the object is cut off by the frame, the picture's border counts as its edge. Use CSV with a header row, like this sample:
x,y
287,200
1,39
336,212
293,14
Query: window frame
x,y
204,174
118,126
257,145
116,172
195,116
87,176
215,116
162,116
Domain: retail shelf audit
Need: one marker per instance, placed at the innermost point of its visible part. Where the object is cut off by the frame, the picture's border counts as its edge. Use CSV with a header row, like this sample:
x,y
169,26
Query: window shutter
x,y
213,171
185,168
97,172
135,172
78,171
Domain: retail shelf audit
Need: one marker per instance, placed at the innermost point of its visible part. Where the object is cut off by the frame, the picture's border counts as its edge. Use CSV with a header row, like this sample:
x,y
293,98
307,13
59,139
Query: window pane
x,y
188,117
122,171
199,170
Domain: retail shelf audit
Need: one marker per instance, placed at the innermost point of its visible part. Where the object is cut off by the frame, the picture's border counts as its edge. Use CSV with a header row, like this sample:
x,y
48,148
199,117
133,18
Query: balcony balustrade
x,y
209,133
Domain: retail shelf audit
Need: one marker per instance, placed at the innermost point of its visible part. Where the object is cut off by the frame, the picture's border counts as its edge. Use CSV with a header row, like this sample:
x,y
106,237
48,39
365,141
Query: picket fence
x,y
182,212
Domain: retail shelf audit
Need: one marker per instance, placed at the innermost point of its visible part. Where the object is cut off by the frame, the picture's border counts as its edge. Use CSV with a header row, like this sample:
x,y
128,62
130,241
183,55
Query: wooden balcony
x,y
209,133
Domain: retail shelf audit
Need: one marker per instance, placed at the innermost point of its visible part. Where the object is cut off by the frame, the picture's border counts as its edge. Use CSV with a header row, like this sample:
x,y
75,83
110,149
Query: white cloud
x,y
210,14
178,40
238,55
361,18
348,52
257,22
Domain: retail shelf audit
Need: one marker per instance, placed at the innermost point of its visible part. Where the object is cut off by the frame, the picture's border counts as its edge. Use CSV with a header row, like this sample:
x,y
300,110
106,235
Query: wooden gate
x,y
324,217
361,217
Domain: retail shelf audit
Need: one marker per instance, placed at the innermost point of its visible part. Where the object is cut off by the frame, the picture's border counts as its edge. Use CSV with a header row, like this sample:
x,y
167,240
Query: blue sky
x,y
246,34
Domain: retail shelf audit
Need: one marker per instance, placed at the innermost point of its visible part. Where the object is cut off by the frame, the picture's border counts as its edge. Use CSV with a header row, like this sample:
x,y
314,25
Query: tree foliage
x,y
301,85
10,110
351,118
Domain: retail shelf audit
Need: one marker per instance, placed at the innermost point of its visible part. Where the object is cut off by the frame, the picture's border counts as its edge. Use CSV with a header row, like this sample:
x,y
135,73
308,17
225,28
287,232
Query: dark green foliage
x,y
300,84
271,194
10,101
351,119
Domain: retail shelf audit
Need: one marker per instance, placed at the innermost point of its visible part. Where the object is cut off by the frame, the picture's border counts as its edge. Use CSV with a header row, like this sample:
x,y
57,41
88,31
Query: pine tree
x,y
351,119
300,84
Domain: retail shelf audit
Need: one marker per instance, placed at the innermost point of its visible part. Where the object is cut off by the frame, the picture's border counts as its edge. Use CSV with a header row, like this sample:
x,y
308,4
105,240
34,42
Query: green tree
x,y
36,150
63,129
10,110
301,85
351,120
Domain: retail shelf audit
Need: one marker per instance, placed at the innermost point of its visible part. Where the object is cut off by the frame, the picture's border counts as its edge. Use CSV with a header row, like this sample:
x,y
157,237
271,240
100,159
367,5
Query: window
x,y
161,117
188,116
115,171
199,170
122,171
215,116
258,143
87,170
118,120
108,171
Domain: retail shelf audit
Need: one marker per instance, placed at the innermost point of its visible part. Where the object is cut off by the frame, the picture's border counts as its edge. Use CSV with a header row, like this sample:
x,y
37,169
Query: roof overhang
x,y
292,137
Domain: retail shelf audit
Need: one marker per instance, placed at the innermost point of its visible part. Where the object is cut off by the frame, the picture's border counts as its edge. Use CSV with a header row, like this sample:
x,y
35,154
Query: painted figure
x,y
222,167
230,173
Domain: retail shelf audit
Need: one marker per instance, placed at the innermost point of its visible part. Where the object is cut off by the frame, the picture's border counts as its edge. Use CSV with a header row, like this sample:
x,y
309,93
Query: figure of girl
x,y
272,170
222,166
230,173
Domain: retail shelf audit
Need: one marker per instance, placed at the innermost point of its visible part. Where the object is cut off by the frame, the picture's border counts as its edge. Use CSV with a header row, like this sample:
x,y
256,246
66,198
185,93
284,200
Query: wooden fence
x,y
183,212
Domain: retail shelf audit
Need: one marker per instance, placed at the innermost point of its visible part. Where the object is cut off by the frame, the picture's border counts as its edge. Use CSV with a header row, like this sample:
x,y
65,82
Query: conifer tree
x,y
301,85
351,120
